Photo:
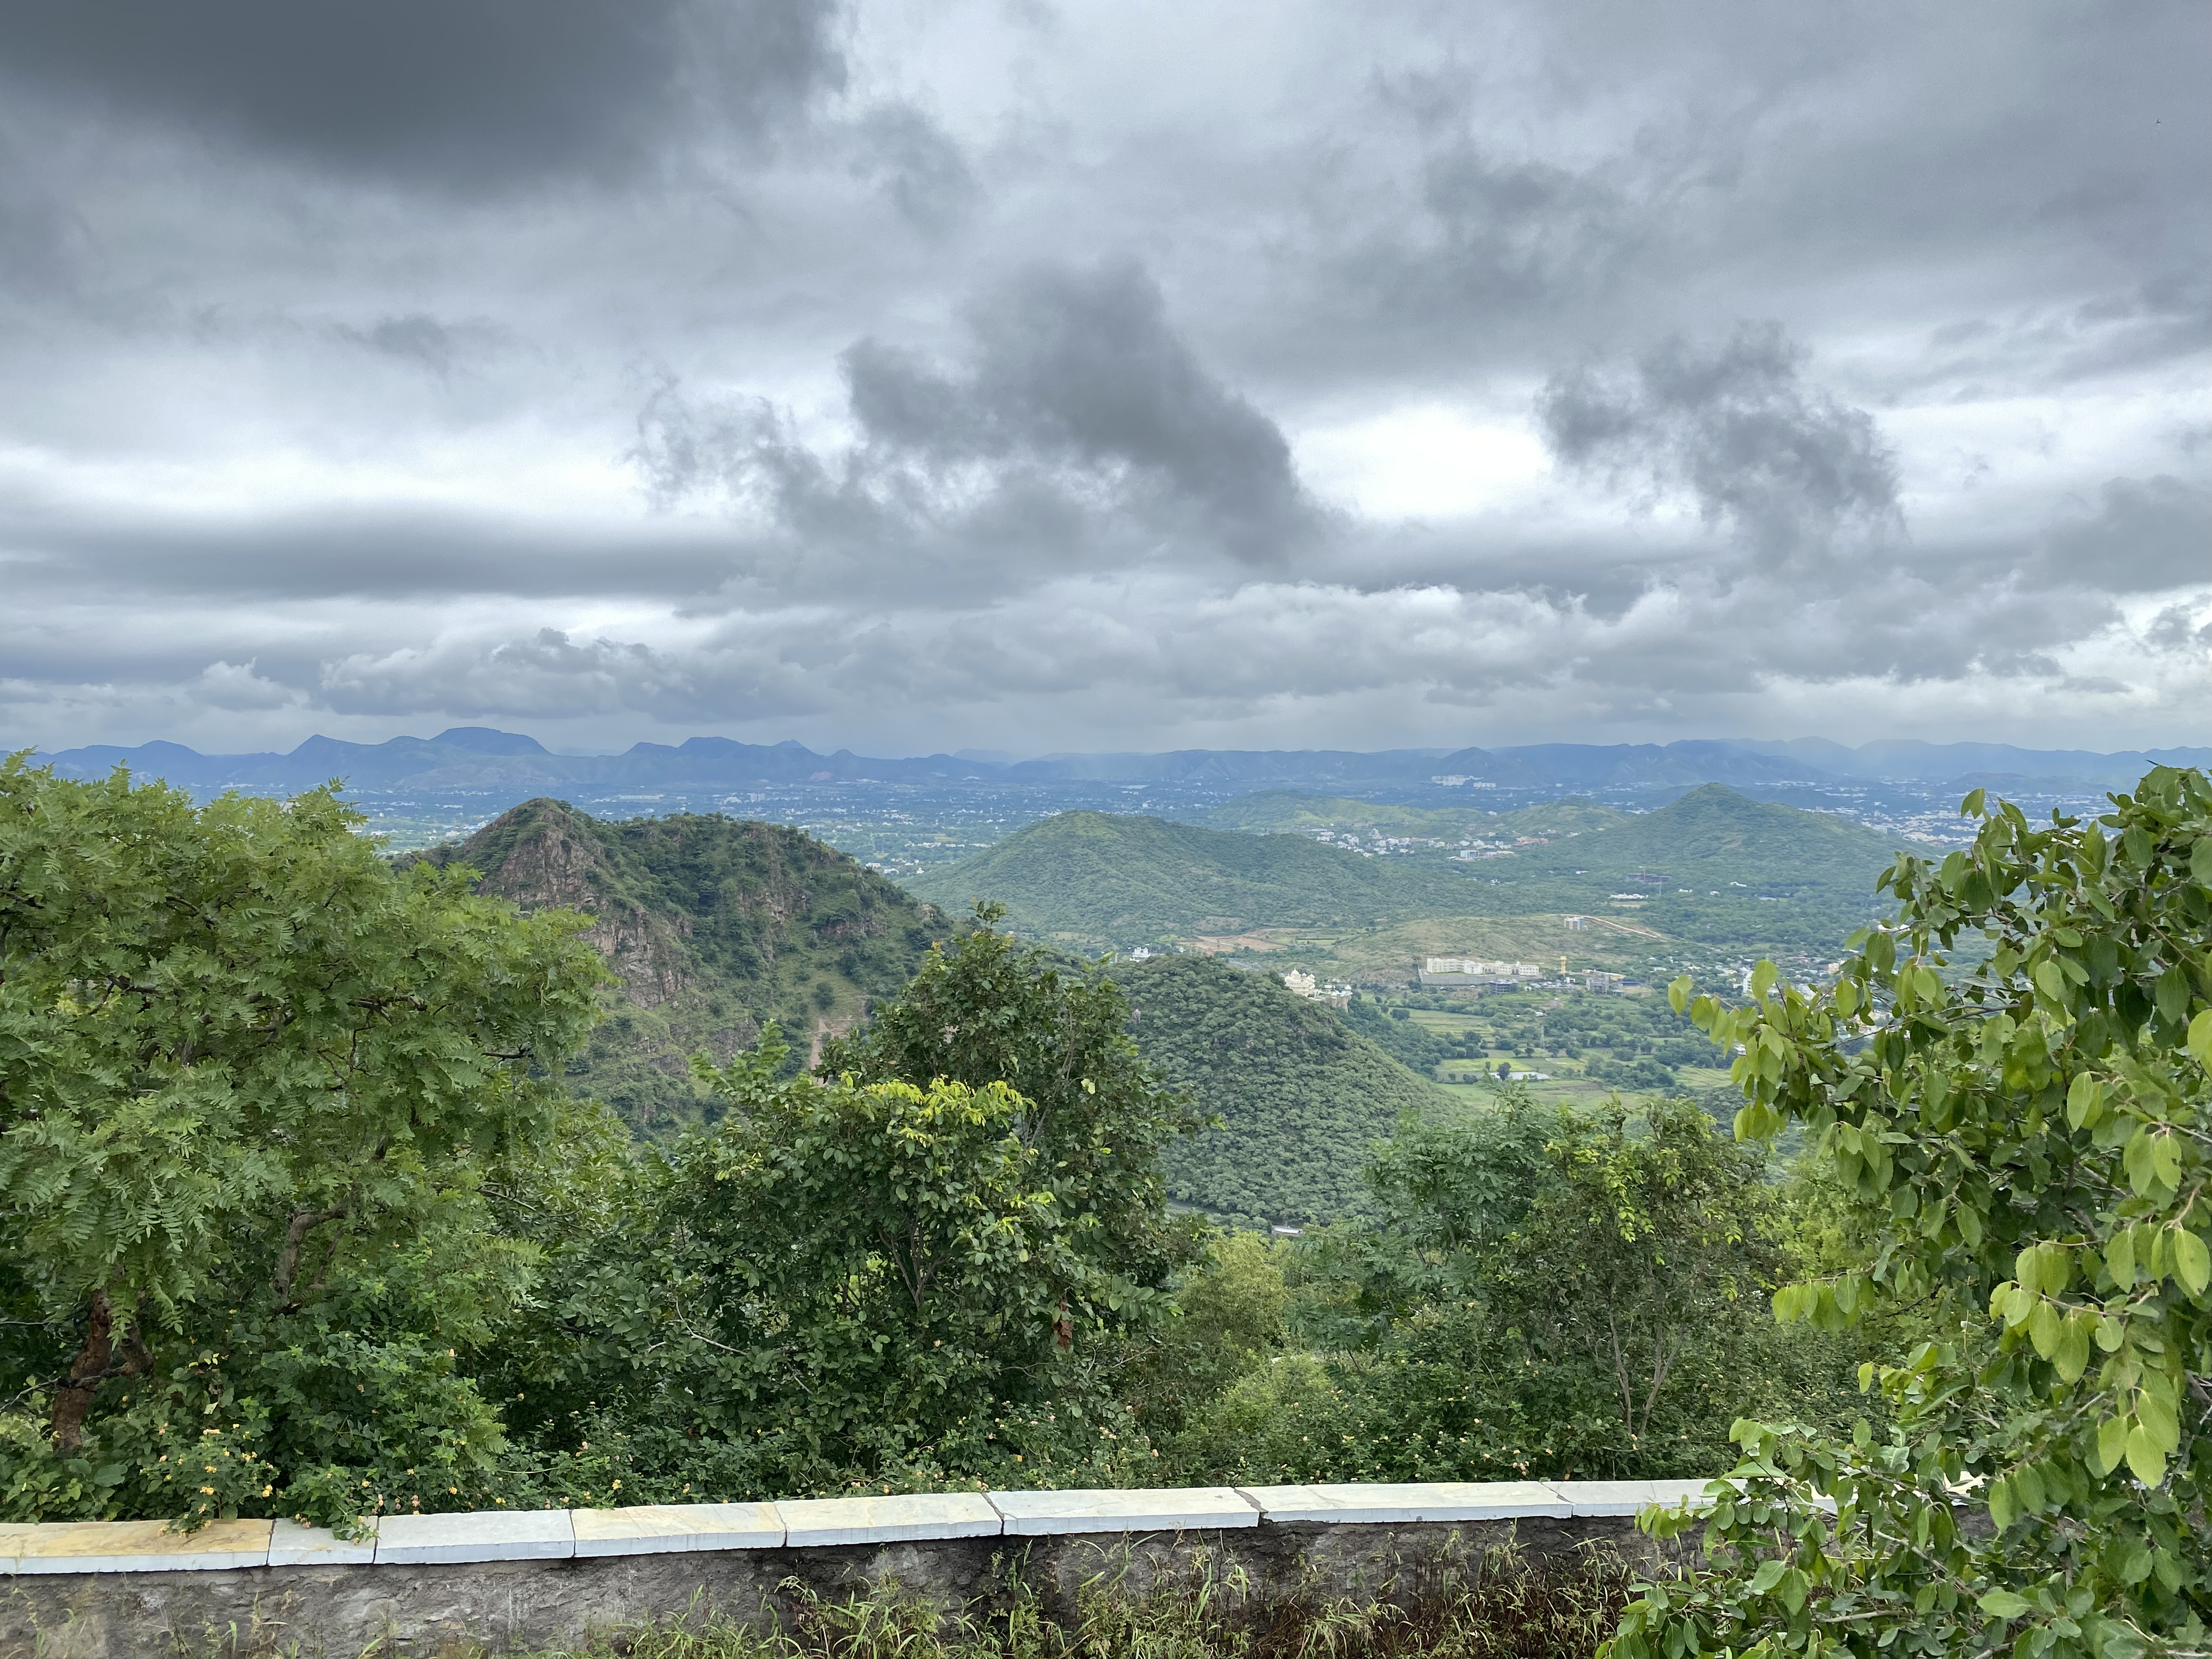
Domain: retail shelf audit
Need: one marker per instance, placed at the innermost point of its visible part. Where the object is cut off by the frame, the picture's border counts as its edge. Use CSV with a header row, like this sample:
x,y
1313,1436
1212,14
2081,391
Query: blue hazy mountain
x,y
481,757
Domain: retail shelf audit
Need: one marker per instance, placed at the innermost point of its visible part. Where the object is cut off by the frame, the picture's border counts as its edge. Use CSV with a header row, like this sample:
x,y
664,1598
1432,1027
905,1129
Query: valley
x,y
711,927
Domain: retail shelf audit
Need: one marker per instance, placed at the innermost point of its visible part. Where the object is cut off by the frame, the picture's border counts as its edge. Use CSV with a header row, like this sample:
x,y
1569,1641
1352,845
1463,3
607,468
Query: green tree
x,y
937,1257
1549,1292
2009,1082
250,1083
987,1010
858,1264
1229,1322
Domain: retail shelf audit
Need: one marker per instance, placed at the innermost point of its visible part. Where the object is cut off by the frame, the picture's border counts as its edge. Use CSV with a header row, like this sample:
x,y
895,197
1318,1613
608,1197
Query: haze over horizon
x,y
1009,375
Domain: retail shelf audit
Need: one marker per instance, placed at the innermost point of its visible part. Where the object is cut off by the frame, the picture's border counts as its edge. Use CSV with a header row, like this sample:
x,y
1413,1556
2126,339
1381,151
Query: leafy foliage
x,y
883,1273
1096,1112
2010,1084
250,1087
1548,1293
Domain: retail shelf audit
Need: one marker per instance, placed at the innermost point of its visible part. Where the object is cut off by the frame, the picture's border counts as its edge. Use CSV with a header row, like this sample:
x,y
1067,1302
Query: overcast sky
x,y
1046,375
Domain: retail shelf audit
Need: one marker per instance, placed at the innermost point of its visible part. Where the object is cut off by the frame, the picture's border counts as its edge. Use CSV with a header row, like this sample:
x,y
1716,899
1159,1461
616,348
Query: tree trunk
x,y
74,1403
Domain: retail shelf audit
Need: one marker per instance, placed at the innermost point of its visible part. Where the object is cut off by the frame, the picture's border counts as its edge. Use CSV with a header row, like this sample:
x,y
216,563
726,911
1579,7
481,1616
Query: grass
x,y
1503,1606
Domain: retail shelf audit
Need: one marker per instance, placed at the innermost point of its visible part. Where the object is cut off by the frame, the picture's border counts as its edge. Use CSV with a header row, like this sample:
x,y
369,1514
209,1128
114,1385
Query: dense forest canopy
x,y
1299,1096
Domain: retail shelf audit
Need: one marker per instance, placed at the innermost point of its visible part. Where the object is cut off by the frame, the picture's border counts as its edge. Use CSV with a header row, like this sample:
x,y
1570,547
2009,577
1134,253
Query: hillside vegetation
x,y
1107,879
1711,867
713,926
1273,811
1301,1096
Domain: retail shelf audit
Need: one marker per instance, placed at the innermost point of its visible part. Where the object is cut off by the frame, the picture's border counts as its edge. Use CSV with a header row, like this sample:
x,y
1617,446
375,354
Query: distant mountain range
x,y
478,757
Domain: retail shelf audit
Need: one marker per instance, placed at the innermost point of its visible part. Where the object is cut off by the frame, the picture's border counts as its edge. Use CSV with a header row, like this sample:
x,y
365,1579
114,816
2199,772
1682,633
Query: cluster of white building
x,y
1479,967
1302,983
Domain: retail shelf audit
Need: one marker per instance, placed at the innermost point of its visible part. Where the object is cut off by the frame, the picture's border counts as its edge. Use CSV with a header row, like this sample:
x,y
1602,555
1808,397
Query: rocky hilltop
x,y
713,926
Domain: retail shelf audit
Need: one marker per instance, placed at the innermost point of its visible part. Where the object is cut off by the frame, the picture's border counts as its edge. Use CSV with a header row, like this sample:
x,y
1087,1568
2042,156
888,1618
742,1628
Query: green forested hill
x,y
1271,811
1711,867
714,926
1723,869
1109,878
1713,835
1301,1095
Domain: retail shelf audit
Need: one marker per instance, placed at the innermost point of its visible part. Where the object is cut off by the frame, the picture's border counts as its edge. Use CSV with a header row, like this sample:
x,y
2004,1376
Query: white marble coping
x,y
292,1545
476,1535
132,1547
657,1529
1488,1500
544,1535
1173,1509
901,1519
1629,1497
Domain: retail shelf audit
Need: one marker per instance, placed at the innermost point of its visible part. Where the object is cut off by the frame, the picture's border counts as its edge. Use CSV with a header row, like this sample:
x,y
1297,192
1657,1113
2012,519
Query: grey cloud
x,y
919,168
1786,466
547,673
428,343
2145,535
368,553
2175,628
268,412
1079,401
467,94
42,248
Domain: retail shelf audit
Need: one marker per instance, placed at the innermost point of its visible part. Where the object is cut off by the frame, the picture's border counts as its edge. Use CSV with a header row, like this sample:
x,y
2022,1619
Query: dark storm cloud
x,y
1079,402
1784,464
469,94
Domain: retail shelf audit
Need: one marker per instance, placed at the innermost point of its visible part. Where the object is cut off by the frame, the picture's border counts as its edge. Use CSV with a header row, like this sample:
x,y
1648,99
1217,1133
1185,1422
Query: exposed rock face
x,y
555,863
714,926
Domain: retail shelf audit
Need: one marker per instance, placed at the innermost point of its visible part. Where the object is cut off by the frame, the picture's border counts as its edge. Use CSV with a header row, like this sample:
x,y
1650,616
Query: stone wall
x,y
432,1584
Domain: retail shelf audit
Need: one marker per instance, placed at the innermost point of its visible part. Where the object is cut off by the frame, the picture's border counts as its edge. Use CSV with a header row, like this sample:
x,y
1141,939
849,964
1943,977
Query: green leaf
x,y
2200,1028
2085,1102
2192,1261
1678,993
2158,1420
2111,1443
2073,1355
2003,1604
1971,806
2003,1508
2120,1258
2166,1161
2173,994
2136,1160
1768,1575
2145,1460
2050,981
2042,1329
2200,861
